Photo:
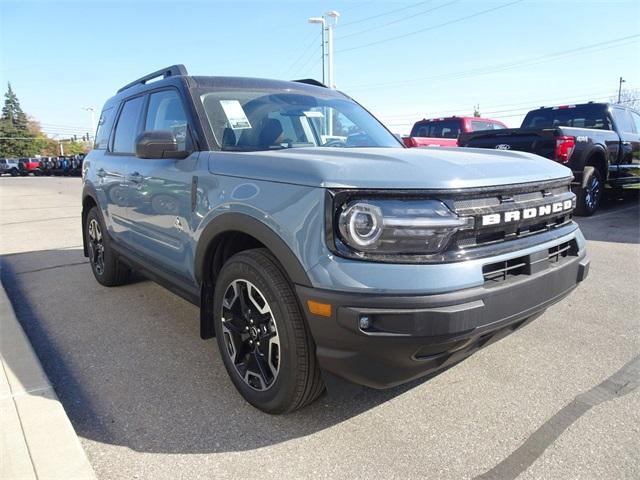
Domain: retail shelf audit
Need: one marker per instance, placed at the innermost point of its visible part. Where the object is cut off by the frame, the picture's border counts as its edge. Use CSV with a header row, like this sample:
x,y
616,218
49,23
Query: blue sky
x,y
402,60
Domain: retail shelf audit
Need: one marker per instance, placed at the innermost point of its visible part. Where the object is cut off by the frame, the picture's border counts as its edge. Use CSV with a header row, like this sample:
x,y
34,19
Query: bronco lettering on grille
x,y
526,213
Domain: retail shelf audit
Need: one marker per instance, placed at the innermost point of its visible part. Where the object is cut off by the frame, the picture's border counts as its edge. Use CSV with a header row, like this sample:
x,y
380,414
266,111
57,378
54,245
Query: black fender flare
x,y
88,191
243,223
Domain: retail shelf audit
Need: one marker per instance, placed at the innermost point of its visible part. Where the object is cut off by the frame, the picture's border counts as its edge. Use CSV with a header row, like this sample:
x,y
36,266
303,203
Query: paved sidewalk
x,y
37,440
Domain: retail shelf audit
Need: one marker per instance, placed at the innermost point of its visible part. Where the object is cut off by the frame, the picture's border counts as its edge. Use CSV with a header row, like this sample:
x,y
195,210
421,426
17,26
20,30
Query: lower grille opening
x,y
560,252
500,271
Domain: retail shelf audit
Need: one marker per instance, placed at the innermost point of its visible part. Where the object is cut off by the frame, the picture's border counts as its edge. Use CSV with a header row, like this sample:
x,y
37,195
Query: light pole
x,y
330,26
92,111
321,21
620,89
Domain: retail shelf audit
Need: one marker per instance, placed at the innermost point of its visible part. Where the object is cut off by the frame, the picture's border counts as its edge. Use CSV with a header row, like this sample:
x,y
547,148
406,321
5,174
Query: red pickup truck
x,y
443,132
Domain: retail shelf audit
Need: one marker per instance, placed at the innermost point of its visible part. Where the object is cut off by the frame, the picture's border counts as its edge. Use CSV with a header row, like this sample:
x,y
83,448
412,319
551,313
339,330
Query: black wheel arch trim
x,y
243,223
88,191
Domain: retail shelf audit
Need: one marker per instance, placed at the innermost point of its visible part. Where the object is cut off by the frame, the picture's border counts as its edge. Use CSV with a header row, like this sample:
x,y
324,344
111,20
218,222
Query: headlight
x,y
381,227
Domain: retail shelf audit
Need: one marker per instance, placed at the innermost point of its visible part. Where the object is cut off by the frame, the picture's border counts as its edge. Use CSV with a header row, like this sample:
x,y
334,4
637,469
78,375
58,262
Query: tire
x,y
281,374
106,267
14,172
590,196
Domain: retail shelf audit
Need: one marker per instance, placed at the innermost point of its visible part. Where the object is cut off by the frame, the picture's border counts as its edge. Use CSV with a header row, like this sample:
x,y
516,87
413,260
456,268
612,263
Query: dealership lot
x,y
149,399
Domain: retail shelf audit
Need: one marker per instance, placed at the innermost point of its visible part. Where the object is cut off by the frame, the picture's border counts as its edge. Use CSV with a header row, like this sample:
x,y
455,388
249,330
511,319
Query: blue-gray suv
x,y
318,248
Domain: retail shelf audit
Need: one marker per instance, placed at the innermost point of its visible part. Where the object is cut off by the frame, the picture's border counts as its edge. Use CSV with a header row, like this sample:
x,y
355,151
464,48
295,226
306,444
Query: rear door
x,y
159,209
111,162
627,124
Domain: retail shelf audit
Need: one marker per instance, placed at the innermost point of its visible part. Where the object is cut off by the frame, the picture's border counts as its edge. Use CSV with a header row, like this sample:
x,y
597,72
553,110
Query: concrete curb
x,y
37,440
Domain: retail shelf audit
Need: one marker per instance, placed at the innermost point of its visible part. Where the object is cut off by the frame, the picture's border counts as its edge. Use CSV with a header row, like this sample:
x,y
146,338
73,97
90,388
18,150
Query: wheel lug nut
x,y
250,342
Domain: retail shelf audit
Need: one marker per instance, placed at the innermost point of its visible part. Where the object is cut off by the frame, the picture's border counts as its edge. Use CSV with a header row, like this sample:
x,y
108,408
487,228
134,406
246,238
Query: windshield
x,y
582,116
263,119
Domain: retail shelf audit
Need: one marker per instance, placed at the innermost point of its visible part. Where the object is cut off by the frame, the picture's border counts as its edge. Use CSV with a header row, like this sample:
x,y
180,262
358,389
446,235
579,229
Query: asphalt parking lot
x,y
149,399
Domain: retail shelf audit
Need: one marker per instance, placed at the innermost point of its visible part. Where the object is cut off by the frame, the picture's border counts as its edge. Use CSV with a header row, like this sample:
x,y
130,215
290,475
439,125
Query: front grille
x,y
500,204
499,272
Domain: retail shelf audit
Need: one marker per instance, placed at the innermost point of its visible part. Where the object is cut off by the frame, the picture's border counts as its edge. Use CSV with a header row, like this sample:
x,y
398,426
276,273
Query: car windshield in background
x,y
581,116
440,129
263,119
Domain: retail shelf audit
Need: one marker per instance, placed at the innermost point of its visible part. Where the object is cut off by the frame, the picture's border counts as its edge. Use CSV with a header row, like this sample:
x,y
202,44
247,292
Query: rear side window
x,y
166,112
128,126
438,129
477,125
104,128
580,116
623,120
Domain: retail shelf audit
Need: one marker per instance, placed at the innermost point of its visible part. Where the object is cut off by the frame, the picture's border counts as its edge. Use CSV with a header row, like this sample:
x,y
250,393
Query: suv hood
x,y
387,168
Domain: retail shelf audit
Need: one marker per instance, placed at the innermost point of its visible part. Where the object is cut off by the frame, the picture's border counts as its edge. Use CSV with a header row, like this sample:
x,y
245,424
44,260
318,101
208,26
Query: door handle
x,y
135,177
101,173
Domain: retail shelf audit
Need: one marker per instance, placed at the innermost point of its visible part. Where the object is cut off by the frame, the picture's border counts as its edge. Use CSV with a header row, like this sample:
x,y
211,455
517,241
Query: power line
x,y
434,27
389,12
304,53
402,19
506,66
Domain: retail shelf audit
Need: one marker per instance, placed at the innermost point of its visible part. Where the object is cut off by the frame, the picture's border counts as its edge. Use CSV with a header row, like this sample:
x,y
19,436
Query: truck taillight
x,y
564,148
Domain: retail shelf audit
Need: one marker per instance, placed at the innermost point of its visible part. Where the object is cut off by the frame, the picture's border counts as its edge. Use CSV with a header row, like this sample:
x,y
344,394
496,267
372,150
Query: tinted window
x,y
127,127
437,129
104,128
623,120
166,112
583,116
482,125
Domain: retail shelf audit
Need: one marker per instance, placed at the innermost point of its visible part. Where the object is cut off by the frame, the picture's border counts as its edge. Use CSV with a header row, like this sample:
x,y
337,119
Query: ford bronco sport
x,y
318,247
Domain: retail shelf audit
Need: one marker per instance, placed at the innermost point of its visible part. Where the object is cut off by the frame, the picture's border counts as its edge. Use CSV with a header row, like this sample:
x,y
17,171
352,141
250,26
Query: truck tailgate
x,y
539,141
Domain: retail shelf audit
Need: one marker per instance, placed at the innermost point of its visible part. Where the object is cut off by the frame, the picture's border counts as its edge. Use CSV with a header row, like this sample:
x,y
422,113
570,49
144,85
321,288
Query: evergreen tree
x,y
15,136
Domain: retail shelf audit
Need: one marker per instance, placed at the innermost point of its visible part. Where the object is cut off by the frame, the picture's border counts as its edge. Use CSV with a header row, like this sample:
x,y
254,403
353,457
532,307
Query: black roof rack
x,y
311,81
171,71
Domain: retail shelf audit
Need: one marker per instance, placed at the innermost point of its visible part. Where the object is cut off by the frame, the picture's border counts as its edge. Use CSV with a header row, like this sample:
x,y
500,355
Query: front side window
x,y
623,120
128,126
166,112
636,120
271,119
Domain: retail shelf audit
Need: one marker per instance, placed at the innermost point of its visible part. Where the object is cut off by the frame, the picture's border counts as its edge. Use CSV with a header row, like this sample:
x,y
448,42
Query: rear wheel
x,y
107,269
263,339
590,196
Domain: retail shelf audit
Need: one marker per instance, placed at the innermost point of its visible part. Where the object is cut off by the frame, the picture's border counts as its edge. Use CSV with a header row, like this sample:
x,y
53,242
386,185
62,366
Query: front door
x,y
159,209
629,157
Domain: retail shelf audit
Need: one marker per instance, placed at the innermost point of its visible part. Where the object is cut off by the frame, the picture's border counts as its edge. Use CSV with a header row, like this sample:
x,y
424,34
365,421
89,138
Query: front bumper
x,y
412,336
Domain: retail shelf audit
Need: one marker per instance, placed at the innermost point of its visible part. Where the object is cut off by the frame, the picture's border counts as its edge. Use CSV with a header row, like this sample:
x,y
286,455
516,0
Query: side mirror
x,y
158,144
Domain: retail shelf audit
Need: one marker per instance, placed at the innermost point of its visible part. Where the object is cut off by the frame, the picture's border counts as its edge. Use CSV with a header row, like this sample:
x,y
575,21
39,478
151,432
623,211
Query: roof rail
x,y
171,71
311,81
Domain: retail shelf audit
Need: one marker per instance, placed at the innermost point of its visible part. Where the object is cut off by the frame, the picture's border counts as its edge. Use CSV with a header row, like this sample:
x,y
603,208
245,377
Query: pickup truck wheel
x,y
107,269
263,339
14,172
590,195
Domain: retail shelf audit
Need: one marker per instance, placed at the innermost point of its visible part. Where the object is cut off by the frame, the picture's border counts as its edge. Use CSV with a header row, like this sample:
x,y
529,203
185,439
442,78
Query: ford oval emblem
x,y
503,146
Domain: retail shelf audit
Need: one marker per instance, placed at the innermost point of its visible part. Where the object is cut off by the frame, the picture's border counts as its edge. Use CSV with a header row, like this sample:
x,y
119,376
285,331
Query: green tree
x,y
16,140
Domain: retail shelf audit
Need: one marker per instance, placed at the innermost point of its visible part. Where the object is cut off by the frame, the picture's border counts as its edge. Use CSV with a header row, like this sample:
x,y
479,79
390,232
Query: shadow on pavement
x,y
130,369
617,220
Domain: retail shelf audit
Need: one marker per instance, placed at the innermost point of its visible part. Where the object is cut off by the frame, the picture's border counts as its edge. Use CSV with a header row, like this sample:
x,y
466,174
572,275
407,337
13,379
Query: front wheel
x,y
263,339
590,196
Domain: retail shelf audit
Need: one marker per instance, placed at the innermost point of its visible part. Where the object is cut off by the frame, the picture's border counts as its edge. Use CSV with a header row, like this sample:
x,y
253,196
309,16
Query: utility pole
x,y
61,148
330,26
92,111
320,21
620,89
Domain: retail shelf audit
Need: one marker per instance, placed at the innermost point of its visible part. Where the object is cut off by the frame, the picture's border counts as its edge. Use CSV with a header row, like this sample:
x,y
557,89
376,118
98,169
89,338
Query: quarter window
x,y
166,112
128,126
104,129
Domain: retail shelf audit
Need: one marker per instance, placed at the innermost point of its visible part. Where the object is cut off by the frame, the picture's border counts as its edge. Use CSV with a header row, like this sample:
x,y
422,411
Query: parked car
x,y
9,166
312,258
444,132
29,166
599,142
